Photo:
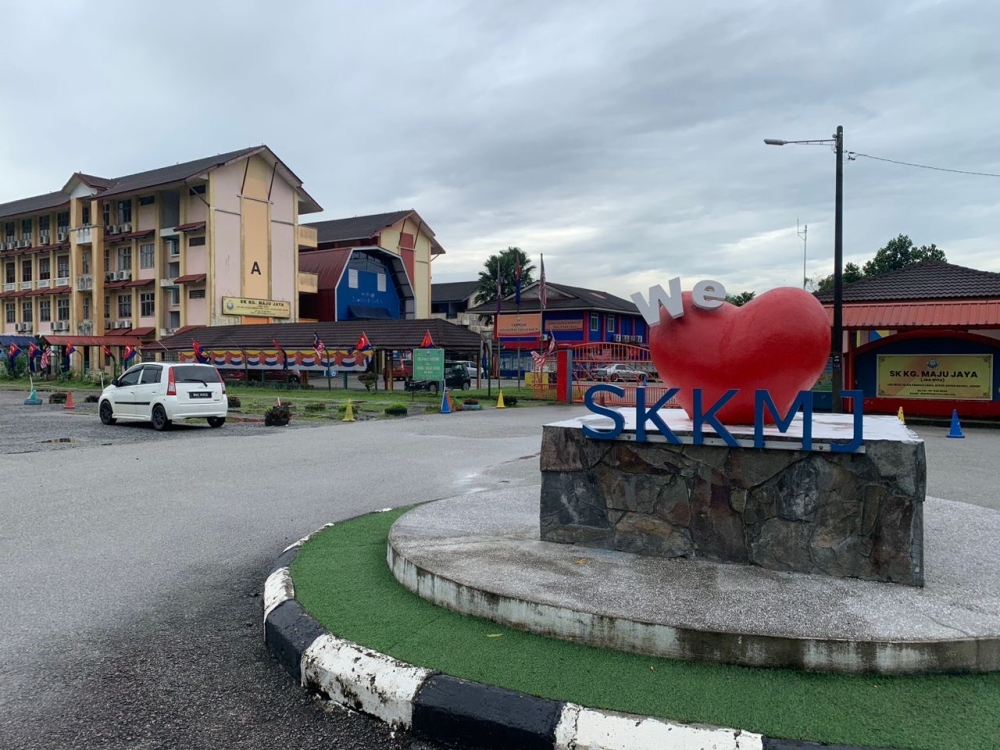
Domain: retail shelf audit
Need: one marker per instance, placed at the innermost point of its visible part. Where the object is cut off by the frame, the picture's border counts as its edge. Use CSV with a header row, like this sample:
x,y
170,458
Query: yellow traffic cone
x,y
900,415
349,415
500,401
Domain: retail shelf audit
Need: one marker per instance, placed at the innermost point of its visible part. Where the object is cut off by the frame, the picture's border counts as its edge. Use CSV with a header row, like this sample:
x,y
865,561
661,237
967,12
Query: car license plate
x,y
199,394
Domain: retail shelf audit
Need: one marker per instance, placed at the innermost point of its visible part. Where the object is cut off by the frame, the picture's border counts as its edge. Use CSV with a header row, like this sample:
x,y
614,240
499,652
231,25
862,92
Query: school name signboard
x,y
966,377
260,308
428,364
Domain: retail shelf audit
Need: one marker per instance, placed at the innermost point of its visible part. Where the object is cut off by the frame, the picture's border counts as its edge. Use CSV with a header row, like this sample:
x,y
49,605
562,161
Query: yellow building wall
x,y
389,240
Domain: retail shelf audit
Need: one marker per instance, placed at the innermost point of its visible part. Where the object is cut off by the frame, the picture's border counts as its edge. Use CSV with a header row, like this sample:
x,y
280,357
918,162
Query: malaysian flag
x,y
543,294
319,346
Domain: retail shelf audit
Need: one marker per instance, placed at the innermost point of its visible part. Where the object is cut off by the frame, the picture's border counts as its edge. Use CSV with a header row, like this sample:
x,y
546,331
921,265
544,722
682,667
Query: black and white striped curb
x,y
456,712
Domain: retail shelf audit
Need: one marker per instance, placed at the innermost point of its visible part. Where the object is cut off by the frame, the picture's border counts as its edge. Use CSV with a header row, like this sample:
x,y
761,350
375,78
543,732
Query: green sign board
x,y
428,364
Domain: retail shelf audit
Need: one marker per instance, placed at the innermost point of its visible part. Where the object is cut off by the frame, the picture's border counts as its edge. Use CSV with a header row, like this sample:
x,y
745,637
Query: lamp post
x,y
837,338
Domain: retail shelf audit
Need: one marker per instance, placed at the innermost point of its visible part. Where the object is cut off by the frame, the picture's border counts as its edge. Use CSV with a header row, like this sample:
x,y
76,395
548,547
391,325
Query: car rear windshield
x,y
195,374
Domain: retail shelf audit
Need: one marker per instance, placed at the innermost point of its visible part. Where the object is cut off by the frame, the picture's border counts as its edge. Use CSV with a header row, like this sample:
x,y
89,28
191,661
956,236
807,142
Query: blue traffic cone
x,y
956,427
445,406
32,399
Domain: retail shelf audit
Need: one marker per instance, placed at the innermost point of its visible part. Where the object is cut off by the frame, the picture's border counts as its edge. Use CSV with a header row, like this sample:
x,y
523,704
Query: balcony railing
x,y
10,287
44,283
25,286
307,237
83,236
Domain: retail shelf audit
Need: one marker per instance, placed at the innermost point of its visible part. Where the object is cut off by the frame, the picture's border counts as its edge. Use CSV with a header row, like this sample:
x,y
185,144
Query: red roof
x,y
142,331
944,314
191,278
116,284
139,283
194,226
92,340
328,265
131,236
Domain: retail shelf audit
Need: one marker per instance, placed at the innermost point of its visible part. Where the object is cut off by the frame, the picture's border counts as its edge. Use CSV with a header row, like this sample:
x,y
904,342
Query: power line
x,y
853,154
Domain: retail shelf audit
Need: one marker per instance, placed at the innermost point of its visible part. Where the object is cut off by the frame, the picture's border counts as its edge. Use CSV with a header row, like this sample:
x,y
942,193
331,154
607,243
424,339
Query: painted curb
x,y
457,712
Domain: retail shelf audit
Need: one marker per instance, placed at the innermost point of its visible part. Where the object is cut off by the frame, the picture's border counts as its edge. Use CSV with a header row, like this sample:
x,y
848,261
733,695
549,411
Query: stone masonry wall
x,y
850,515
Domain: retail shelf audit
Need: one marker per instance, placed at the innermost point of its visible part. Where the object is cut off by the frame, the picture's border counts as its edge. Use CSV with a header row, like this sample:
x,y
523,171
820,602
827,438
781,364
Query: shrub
x,y
234,402
315,406
277,416
470,402
57,398
368,379
396,410
510,400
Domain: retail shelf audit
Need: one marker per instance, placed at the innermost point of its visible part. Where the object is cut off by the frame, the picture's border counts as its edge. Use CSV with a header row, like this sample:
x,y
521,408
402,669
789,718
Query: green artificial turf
x,y
342,578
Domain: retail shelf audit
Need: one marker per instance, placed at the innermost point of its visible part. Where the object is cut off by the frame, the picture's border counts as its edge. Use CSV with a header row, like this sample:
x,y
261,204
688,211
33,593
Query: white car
x,y
618,372
163,392
470,367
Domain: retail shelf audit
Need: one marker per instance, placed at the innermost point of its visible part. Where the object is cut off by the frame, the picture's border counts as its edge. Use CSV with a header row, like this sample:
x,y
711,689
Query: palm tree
x,y
507,261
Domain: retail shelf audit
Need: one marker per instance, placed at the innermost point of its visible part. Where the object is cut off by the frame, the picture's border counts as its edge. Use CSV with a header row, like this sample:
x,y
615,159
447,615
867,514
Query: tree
x,y
852,273
740,299
899,253
507,261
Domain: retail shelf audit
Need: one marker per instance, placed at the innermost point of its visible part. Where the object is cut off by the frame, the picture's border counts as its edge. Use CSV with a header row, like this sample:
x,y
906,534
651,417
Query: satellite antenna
x,y
803,233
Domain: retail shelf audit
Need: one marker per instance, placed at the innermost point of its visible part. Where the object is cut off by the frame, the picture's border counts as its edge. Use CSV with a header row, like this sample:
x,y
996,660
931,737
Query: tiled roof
x,y
91,340
929,279
923,314
328,265
164,175
561,297
383,334
453,291
356,227
101,183
37,203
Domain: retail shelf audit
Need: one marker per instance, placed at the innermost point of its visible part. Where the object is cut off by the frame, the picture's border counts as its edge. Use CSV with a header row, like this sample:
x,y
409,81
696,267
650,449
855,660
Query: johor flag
x,y
428,342
107,351
318,346
281,353
517,278
363,346
198,354
32,351
13,351
129,353
69,350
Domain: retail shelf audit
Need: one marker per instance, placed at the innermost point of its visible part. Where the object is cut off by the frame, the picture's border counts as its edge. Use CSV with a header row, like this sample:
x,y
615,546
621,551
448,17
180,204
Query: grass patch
x,y
341,577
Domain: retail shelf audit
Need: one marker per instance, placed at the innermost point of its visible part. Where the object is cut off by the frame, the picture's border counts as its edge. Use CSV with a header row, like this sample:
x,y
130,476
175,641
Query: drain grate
x,y
60,440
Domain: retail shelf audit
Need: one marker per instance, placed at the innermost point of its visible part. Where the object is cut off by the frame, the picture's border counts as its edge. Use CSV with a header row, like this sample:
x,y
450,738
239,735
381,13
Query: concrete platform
x,y
481,555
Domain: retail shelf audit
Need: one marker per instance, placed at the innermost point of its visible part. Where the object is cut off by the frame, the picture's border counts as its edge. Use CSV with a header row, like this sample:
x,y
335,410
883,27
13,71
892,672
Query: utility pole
x,y
803,234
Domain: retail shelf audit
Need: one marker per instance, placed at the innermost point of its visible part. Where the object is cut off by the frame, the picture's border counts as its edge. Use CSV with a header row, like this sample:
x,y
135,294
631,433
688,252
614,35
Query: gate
x,y
625,365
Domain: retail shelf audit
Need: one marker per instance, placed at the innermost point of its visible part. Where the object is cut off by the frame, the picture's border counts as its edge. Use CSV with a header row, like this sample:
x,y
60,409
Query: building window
x,y
197,190
380,281
147,255
147,200
26,311
25,270
173,248
173,270
85,261
125,258
107,259
196,294
43,224
352,278
62,308
62,221
86,216
611,323
175,295
106,207
124,211
196,241
25,229
44,311
10,273
11,312
124,305
147,302
62,267
174,320
107,306
86,307
595,322
44,269
9,231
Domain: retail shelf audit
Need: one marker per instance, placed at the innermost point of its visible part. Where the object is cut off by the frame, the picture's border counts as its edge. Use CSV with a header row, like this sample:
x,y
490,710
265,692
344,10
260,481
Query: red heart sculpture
x,y
778,342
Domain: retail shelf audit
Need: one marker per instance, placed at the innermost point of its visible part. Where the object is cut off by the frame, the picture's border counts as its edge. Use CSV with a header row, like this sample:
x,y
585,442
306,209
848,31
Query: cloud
x,y
623,141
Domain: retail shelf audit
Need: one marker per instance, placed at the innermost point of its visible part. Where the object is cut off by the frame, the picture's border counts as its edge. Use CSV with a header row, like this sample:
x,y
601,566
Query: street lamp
x,y
837,339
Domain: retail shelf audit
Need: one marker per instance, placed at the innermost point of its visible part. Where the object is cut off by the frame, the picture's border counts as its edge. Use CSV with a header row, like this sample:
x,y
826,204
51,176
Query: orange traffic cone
x,y
69,401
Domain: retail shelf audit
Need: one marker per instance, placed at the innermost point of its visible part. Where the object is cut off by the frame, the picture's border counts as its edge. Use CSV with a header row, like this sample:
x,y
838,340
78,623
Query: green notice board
x,y
428,364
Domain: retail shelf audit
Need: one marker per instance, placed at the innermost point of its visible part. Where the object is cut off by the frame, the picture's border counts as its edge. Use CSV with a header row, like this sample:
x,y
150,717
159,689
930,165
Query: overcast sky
x,y
624,140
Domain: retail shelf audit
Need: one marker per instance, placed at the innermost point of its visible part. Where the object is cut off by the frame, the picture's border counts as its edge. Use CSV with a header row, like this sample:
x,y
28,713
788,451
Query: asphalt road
x,y
133,561
132,572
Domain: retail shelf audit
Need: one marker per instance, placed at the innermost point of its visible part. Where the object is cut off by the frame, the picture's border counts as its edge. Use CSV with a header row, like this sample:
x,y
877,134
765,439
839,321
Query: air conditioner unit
x,y
23,327
9,245
43,238
126,274
107,324
65,325
110,276
120,276
126,227
110,228
63,236
24,243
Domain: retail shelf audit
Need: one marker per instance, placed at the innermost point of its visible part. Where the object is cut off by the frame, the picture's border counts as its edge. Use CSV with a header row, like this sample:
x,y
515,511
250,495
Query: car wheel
x,y
614,377
160,421
433,388
107,413
216,421
466,385
294,379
